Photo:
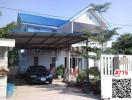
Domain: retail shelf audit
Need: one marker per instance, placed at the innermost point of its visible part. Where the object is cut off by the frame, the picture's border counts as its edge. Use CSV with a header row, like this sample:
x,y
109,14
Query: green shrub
x,y
81,77
95,72
60,71
95,82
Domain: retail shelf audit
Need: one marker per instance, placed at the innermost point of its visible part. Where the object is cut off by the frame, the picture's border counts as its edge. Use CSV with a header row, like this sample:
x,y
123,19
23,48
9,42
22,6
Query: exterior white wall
x,y
7,42
3,79
92,44
33,29
87,18
3,57
44,58
90,19
28,59
60,58
66,28
3,85
91,63
40,28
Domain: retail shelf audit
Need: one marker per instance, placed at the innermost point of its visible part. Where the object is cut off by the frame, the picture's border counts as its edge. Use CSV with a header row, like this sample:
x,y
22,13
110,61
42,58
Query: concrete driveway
x,y
55,91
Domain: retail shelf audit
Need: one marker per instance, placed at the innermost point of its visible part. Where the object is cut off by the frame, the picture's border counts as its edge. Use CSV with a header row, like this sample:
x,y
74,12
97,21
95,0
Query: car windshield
x,y
37,69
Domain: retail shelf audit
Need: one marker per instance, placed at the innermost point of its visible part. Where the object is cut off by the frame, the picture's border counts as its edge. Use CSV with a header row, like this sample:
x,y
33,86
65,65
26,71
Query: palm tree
x,y
85,50
101,37
101,8
104,36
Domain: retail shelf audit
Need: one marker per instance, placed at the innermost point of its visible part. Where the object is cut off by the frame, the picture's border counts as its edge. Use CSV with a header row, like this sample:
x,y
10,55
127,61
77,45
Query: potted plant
x,y
60,71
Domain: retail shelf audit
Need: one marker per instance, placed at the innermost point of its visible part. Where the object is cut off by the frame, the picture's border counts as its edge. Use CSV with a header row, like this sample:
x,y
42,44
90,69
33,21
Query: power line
x,y
121,24
19,10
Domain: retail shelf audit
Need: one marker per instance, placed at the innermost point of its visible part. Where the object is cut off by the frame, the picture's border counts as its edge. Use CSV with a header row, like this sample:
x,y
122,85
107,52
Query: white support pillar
x,y
68,65
72,27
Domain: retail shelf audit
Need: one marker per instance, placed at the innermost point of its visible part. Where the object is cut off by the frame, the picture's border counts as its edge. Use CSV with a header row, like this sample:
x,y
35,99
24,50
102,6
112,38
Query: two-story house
x,y
87,19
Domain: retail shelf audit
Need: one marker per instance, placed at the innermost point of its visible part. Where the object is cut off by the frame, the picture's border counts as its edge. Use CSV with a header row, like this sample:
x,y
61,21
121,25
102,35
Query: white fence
x,y
108,64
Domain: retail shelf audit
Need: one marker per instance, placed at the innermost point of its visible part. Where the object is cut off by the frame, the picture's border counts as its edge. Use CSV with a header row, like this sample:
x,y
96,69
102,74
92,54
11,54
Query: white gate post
x,y
68,65
4,44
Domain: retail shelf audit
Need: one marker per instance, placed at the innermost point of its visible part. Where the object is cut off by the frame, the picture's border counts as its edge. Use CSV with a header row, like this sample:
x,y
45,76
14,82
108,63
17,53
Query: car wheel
x,y
50,81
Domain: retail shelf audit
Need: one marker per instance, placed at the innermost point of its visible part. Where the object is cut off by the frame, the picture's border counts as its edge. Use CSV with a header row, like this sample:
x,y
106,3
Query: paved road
x,y
55,91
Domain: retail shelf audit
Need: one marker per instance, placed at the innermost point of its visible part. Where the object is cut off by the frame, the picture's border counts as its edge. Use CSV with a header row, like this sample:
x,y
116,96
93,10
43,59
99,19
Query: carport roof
x,y
29,40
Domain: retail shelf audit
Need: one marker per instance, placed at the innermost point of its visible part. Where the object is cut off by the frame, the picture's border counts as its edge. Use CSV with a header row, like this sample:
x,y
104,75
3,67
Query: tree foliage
x,y
123,45
102,7
13,55
6,29
101,37
86,49
105,36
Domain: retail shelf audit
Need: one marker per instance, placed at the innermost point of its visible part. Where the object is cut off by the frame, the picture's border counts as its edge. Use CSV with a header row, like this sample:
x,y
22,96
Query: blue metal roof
x,y
39,20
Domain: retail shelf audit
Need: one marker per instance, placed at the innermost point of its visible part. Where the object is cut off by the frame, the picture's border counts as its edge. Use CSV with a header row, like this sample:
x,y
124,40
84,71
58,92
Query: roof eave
x,y
54,27
77,15
20,17
80,13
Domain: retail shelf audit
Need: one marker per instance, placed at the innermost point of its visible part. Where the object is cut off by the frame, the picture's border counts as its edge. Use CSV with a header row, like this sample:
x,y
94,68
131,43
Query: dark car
x,y
38,74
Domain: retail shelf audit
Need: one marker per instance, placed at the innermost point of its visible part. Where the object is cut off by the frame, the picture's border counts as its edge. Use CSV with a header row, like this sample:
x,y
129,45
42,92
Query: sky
x,y
119,14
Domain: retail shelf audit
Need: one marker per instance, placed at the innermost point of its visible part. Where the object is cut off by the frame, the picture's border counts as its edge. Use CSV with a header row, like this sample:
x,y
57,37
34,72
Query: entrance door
x,y
73,63
65,62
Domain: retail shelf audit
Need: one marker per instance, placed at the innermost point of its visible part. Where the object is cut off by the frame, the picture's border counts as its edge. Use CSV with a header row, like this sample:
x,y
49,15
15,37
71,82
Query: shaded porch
x,y
50,42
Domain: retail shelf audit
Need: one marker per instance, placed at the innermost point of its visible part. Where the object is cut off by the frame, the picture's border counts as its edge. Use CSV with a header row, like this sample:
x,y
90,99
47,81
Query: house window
x,y
74,62
33,29
36,60
53,60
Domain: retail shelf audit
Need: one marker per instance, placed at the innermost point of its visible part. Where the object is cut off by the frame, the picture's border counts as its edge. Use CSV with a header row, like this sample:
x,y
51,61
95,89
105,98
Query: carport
x,y
30,40
44,40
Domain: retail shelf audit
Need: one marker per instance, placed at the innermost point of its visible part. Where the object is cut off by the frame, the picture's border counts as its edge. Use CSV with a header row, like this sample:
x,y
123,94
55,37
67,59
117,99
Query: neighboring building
x,y
87,19
5,46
